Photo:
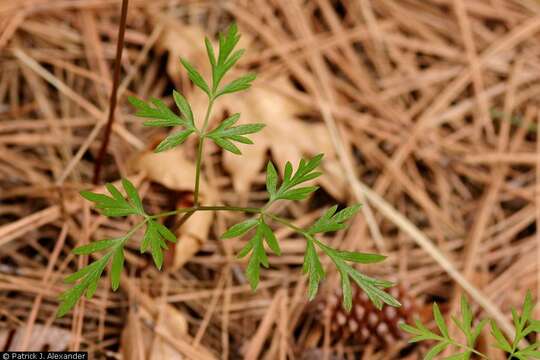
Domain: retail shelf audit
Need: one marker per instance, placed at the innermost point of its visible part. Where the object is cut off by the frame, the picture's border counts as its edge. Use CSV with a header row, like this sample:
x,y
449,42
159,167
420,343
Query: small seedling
x,y
523,323
291,188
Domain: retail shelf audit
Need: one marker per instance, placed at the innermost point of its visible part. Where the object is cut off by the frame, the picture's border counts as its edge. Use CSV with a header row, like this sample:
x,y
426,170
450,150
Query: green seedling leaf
x,y
133,195
165,232
240,228
174,140
154,240
271,178
501,341
162,115
112,206
197,78
96,246
346,289
372,287
225,133
436,350
312,267
270,238
360,258
332,221
184,108
439,320
288,189
298,193
117,267
258,258
240,84
88,278
227,42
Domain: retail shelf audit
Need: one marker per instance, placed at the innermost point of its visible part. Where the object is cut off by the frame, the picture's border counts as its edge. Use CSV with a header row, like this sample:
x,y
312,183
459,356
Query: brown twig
x,y
112,102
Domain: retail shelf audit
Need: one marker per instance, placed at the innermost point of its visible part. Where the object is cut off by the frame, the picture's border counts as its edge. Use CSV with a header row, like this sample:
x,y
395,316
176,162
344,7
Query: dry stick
x,y
537,208
112,102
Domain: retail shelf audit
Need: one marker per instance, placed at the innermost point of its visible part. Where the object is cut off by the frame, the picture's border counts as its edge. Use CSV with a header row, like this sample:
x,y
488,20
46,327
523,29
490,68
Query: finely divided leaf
x,y
153,239
271,178
255,246
96,246
346,289
210,51
89,278
174,140
240,228
439,320
196,77
133,195
332,221
227,42
258,258
360,258
165,232
374,288
115,205
184,107
163,116
116,268
502,343
242,83
225,133
298,193
288,189
226,58
312,267
270,238
436,350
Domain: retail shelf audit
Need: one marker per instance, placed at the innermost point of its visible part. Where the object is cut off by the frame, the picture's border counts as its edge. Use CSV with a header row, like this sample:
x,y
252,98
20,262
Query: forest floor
x,y
426,111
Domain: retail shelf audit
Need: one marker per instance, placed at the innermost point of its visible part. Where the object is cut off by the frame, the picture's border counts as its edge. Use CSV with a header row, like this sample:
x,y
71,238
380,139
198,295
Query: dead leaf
x,y
170,168
49,338
139,342
192,235
181,40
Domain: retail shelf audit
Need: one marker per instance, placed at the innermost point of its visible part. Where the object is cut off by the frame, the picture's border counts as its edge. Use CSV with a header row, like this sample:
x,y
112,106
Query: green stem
x,y
198,171
465,347
206,208
202,136
285,222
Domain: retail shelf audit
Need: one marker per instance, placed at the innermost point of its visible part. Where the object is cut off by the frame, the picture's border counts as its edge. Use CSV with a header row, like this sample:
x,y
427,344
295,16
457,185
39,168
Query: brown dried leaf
x,y
181,40
191,237
170,168
42,337
138,341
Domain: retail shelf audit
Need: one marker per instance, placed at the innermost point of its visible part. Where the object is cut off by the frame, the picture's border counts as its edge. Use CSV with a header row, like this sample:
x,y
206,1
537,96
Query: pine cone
x,y
365,323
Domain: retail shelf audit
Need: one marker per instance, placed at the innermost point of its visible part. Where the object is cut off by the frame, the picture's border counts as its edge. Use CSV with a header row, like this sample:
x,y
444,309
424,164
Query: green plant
x,y
292,187
523,323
